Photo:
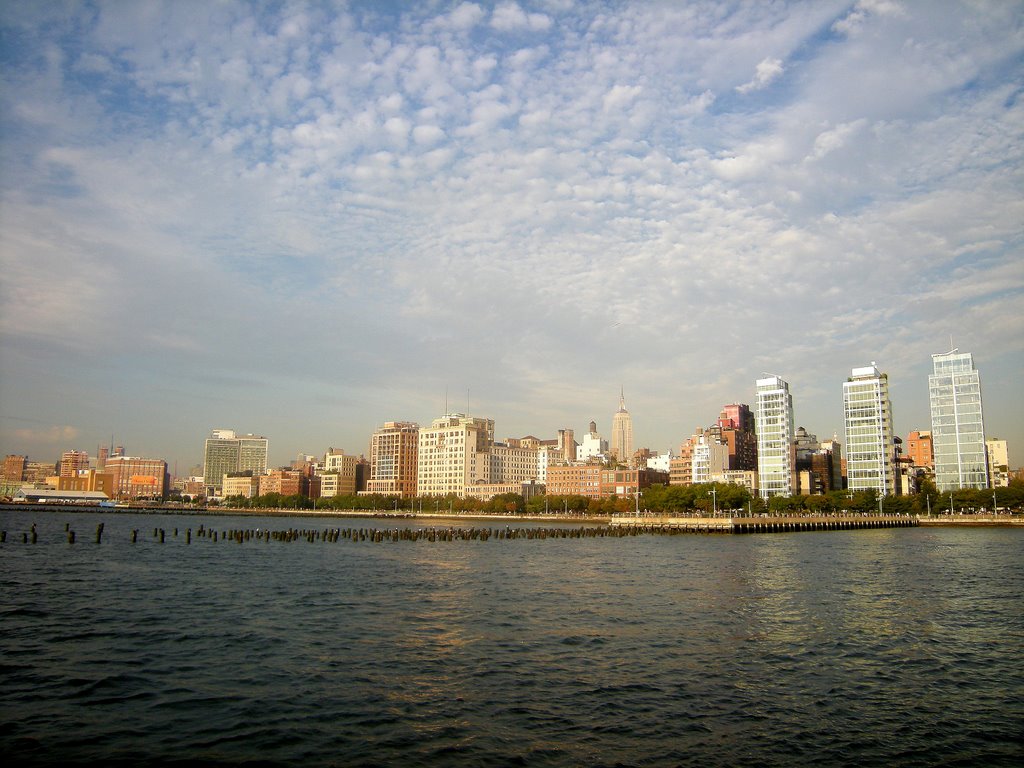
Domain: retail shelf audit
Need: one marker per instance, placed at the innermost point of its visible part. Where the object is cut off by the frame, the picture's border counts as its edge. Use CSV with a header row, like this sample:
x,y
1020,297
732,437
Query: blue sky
x,y
305,219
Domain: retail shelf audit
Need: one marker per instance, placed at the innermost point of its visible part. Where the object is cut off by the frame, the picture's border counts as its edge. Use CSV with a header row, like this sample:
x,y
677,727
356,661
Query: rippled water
x,y
877,647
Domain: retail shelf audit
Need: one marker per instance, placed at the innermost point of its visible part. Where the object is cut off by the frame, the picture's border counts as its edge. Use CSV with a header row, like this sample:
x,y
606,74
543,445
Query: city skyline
x,y
304,221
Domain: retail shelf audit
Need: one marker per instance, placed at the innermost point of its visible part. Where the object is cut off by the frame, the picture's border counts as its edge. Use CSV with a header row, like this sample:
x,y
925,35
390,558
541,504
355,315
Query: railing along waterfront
x,y
762,523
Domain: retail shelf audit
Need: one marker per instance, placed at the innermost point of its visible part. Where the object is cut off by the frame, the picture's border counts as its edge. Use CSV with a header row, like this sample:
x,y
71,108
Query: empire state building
x,y
622,433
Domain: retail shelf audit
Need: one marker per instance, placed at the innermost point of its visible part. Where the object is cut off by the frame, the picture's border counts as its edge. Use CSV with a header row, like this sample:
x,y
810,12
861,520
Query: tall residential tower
x,y
958,429
775,447
870,456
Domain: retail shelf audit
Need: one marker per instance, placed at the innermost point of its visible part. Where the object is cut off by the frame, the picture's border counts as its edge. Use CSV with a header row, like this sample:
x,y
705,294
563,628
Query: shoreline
x,y
976,520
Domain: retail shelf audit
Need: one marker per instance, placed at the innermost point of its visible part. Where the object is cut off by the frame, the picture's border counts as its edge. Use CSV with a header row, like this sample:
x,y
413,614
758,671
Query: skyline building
x,y
454,453
224,452
736,425
73,462
919,449
622,432
867,415
958,426
394,452
998,462
133,477
593,444
775,447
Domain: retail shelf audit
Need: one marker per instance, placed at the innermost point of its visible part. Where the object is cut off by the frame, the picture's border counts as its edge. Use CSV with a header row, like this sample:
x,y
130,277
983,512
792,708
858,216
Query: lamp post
x,y
714,502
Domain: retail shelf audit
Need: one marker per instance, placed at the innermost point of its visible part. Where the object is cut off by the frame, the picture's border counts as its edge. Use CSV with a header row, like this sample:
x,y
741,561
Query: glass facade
x,y
869,436
775,451
958,429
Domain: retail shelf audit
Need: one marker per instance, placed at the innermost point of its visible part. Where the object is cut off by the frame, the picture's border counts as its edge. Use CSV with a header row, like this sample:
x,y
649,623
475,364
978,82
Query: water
x,y
875,647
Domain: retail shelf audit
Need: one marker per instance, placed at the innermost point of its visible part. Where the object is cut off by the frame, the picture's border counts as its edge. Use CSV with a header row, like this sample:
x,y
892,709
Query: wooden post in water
x,y
135,534
161,535
71,537
188,536
99,532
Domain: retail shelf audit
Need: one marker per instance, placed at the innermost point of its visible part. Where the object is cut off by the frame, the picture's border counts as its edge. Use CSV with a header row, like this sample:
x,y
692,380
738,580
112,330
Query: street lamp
x,y
714,502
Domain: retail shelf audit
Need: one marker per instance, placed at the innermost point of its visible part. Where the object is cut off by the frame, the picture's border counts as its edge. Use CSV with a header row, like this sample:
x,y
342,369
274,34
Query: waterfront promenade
x,y
764,524
784,523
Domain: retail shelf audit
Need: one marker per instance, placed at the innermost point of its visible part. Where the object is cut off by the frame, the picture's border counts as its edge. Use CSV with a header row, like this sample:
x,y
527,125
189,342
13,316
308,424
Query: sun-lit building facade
x,y
958,425
776,474
867,413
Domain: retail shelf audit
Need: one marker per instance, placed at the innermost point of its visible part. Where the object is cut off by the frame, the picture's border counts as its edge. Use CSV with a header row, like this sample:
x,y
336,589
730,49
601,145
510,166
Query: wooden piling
x,y
99,533
71,537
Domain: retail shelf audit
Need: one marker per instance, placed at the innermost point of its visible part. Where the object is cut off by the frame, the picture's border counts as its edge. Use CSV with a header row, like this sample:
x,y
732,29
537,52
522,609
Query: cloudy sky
x,y
305,219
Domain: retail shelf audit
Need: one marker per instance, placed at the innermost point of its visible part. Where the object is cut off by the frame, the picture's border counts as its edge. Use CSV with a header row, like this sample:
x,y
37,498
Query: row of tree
x,y
707,498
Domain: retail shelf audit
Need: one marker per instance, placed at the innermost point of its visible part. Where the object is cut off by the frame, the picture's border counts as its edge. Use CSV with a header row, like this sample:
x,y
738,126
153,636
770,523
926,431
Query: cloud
x,y
767,70
387,204
509,17
620,97
852,23
466,16
56,435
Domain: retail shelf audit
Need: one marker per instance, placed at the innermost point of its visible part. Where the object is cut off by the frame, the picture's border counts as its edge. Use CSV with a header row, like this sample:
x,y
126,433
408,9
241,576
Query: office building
x,y
338,473
776,475
394,459
137,478
622,433
226,453
14,469
454,453
73,462
958,428
870,448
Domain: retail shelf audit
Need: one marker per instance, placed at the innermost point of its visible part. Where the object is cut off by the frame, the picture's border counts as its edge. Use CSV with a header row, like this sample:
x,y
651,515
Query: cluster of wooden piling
x,y
377,535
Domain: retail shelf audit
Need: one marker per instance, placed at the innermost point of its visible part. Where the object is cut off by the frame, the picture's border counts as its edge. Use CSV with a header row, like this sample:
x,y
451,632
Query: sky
x,y
302,220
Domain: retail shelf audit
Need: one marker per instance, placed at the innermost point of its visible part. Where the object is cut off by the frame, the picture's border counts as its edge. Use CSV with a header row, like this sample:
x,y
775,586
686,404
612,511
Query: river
x,y
873,647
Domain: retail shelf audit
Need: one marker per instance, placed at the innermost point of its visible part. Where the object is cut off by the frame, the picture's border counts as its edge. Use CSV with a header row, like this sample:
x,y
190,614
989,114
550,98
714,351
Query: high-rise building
x,y
835,462
998,462
870,450
394,451
736,423
958,426
73,462
225,452
622,432
454,452
14,469
776,474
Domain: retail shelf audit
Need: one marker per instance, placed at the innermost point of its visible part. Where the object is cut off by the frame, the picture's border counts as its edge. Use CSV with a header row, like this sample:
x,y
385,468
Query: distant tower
x,y
775,448
622,432
870,452
958,429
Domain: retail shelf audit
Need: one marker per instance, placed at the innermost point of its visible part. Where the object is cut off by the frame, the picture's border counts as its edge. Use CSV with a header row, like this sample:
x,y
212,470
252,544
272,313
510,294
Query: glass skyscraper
x,y
870,451
958,429
775,447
